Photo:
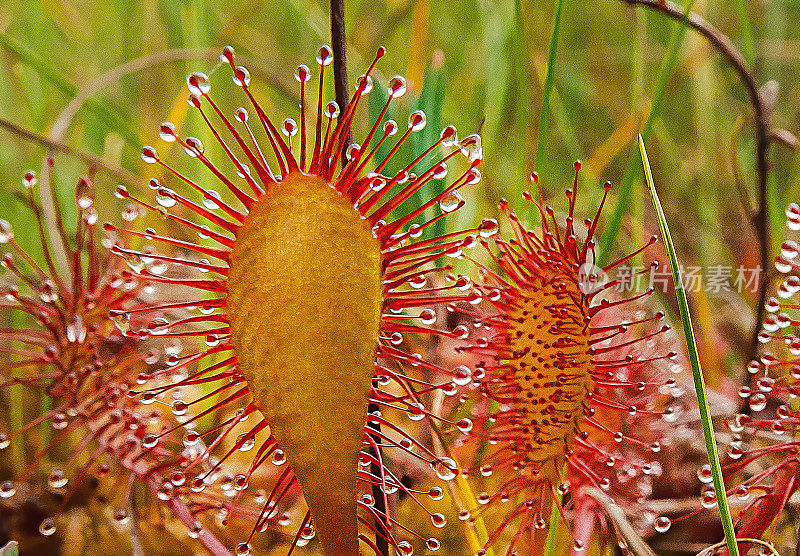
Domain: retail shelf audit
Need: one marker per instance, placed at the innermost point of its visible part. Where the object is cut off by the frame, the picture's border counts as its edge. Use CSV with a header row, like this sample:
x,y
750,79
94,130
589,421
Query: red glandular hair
x,y
572,381
764,452
67,348
408,303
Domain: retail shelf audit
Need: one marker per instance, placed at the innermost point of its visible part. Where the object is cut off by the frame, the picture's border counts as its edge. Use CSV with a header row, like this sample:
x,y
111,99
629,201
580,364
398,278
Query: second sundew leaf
x,y
545,354
694,360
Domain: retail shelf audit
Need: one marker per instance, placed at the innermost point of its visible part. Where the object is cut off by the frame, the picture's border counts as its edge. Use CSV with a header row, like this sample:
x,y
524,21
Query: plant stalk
x,y
694,359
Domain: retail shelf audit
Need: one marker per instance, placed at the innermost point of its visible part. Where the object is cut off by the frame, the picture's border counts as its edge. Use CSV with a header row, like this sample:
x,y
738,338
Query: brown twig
x,y
338,43
120,174
761,115
339,46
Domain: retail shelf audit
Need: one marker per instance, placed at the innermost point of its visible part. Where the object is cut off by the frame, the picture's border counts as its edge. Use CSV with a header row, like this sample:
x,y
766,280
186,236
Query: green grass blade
x,y
665,71
478,529
748,48
548,84
54,77
694,359
477,534
552,533
521,116
555,517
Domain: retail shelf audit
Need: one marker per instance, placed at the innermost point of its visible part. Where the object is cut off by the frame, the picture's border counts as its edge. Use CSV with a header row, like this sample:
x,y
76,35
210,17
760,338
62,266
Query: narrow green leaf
x,y
521,109
665,71
548,84
54,77
748,49
544,114
430,101
694,360
552,533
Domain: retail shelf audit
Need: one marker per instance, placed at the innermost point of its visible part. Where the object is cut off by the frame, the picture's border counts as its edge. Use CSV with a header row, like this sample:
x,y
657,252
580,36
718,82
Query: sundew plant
x,y
399,278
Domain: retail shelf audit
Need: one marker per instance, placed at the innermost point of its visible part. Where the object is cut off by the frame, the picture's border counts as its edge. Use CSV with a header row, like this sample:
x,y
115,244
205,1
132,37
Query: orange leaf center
x,y
305,306
550,367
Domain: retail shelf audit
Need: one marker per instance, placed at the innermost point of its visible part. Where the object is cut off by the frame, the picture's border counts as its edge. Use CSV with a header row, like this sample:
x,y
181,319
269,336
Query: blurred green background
x,y
478,65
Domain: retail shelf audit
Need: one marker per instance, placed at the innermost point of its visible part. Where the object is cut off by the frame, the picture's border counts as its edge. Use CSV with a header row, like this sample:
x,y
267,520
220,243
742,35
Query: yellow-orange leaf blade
x,y
305,304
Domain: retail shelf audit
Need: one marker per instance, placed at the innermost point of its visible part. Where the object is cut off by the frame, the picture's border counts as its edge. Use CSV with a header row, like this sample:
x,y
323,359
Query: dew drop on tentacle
x,y
198,84
6,231
47,527
84,194
7,489
324,55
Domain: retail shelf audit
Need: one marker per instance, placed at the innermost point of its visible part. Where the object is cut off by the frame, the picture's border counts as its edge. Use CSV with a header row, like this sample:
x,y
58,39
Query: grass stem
x,y
694,360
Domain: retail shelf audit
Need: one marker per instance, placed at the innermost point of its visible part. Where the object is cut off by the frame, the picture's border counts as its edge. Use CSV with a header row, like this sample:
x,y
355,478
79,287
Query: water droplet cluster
x,y
762,433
